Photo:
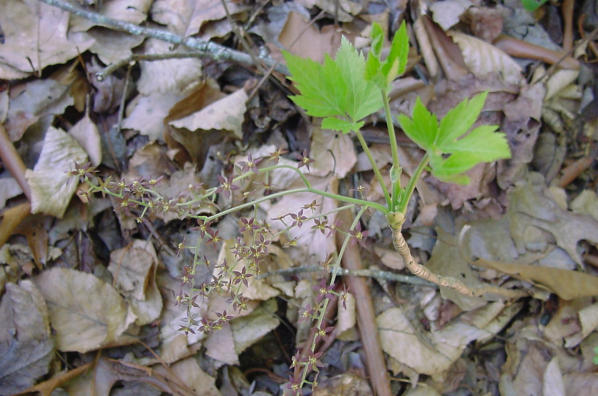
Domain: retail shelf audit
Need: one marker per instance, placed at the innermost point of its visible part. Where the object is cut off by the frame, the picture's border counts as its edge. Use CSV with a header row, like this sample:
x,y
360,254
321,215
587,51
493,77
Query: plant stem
x,y
367,151
412,181
342,198
393,141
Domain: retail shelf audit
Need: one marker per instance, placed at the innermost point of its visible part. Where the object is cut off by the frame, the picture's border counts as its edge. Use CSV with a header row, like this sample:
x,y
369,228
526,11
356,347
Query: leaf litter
x,y
187,120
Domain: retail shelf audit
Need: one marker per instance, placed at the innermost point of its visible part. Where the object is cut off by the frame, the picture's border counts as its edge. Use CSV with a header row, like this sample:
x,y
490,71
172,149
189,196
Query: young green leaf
x,y
336,89
450,156
384,72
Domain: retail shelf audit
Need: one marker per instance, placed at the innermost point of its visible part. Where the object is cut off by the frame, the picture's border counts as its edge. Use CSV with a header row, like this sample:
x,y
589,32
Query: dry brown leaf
x,y
225,114
343,10
85,312
112,46
87,135
51,185
483,58
332,153
177,76
447,13
134,271
146,114
399,338
316,244
303,39
26,343
36,35
187,17
193,376
9,188
566,284
133,11
249,329
33,100
220,345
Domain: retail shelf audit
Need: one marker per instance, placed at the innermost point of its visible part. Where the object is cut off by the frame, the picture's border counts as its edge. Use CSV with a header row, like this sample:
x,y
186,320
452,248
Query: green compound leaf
x,y
384,72
336,89
450,156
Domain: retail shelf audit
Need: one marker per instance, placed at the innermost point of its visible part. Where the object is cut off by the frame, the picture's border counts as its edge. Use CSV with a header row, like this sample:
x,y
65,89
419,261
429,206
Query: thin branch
x,y
208,48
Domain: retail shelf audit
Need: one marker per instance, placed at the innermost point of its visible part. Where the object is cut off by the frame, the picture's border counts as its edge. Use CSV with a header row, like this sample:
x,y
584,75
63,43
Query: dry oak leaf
x,y
86,312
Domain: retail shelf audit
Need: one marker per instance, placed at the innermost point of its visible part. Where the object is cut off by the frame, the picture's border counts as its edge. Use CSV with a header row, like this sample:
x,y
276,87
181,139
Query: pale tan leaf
x,y
33,100
133,11
26,343
146,114
346,314
36,35
483,58
224,114
566,284
186,17
51,185
85,312
172,75
399,339
301,38
220,345
194,377
112,46
9,188
87,135
249,329
447,13
134,271
588,319
553,380
332,153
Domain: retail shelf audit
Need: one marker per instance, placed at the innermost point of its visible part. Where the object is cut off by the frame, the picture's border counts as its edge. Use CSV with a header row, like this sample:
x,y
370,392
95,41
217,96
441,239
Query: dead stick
x,y
13,162
366,319
571,172
567,8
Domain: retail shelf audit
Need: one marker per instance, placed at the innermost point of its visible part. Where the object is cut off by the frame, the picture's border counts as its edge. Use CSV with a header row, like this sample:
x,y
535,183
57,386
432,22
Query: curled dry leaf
x,y
483,58
85,312
87,135
224,114
51,185
134,271
26,343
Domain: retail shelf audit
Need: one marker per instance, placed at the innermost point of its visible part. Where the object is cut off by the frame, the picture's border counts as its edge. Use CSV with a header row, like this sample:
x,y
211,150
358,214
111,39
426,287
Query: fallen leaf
x,y
113,46
177,76
332,152
51,185
193,376
447,13
220,345
31,101
87,135
483,58
566,284
85,312
398,338
224,114
9,188
249,329
36,35
186,18
26,343
300,37
134,271
132,11
146,114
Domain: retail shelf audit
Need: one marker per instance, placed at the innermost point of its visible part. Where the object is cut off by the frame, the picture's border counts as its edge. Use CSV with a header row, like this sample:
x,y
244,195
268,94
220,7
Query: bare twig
x,y
567,8
13,162
207,48
366,318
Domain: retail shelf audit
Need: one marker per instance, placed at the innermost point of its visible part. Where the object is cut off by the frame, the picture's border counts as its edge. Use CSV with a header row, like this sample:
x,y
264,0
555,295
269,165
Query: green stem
x,y
367,151
412,181
338,197
394,149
